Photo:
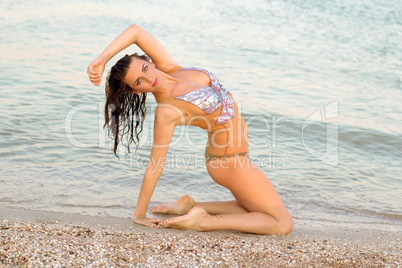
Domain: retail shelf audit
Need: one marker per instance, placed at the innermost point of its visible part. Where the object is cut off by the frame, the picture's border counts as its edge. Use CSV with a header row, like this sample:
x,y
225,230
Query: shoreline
x,y
43,238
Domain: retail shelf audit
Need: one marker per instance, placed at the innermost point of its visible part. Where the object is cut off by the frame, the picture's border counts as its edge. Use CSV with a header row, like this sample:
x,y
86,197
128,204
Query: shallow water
x,y
317,82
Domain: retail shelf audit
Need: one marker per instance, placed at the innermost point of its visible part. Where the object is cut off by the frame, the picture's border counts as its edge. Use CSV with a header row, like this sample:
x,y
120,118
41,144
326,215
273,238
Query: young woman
x,y
187,96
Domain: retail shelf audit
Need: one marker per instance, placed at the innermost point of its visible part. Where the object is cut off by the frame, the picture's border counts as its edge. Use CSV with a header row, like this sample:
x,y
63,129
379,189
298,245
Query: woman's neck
x,y
167,86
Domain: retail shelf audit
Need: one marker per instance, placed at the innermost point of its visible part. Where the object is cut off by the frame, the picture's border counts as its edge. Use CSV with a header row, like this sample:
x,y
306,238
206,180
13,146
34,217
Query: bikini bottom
x,y
209,157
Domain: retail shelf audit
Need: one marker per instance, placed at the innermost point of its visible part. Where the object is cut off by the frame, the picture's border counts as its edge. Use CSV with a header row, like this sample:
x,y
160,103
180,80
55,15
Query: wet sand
x,y
34,238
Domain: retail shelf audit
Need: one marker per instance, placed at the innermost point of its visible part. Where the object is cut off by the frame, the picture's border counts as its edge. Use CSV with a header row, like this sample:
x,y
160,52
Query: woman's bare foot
x,y
191,221
180,207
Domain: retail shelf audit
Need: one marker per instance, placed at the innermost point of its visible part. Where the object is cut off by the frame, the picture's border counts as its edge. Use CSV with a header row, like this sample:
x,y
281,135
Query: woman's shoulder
x,y
173,69
167,112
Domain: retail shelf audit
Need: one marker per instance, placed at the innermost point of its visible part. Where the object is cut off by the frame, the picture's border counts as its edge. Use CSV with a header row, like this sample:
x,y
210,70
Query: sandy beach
x,y
33,238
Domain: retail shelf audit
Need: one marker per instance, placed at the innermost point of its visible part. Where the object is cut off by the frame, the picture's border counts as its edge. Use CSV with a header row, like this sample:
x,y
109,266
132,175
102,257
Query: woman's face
x,y
141,76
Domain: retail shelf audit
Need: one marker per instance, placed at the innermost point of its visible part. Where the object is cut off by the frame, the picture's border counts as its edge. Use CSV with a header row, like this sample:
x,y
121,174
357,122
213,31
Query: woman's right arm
x,y
166,118
132,35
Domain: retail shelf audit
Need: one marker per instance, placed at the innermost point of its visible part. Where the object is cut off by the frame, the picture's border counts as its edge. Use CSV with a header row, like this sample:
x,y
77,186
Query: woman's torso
x,y
213,109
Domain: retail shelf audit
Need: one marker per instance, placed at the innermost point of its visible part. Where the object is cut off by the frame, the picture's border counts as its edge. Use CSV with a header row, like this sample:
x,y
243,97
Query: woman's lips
x,y
156,82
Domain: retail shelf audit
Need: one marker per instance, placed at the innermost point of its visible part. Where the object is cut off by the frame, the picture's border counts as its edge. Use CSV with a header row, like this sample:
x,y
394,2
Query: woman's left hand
x,y
147,221
95,70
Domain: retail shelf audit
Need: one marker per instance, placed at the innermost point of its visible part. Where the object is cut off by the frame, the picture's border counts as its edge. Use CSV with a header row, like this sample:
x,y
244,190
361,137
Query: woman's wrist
x,y
139,216
103,59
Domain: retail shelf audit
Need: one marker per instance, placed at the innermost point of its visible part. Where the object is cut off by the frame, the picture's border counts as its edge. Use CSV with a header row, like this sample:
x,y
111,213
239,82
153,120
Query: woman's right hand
x,y
147,221
95,70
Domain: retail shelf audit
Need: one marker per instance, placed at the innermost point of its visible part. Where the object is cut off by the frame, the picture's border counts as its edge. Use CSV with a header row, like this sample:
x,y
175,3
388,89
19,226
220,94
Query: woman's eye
x,y
145,68
138,82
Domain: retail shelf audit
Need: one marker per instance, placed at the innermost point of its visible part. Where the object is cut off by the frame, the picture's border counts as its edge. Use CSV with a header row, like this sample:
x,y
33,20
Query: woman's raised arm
x,y
132,35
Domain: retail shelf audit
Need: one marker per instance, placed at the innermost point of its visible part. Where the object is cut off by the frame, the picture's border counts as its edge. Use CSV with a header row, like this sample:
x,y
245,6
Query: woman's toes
x,y
180,207
168,222
157,209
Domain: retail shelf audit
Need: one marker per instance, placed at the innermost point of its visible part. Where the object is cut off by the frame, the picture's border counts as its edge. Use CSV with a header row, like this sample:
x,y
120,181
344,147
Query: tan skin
x,y
257,207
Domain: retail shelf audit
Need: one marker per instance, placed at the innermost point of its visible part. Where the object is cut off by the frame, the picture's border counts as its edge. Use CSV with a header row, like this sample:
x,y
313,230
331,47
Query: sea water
x,y
317,82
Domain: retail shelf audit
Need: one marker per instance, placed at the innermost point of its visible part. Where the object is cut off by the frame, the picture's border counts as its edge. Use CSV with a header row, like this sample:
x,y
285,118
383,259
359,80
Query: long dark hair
x,y
127,110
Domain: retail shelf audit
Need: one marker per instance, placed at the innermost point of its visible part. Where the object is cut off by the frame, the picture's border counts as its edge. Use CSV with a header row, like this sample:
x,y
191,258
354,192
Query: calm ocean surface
x,y
317,82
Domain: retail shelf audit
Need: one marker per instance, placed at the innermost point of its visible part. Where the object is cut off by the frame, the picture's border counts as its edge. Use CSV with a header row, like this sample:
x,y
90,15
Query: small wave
x,y
387,215
366,140
371,140
90,206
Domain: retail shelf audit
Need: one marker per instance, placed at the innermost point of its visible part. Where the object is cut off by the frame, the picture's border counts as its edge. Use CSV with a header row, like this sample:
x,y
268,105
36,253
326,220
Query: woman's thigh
x,y
249,185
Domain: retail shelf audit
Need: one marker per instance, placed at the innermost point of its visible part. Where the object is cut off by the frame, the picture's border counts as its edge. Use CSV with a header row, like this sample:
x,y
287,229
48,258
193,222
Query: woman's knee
x,y
286,225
